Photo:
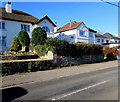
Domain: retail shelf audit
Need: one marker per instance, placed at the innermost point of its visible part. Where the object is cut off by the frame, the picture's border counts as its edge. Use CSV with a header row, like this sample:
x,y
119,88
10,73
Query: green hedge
x,y
63,48
88,49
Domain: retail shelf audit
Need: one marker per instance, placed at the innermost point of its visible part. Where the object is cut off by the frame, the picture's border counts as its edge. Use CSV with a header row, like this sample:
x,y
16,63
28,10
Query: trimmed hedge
x,y
63,48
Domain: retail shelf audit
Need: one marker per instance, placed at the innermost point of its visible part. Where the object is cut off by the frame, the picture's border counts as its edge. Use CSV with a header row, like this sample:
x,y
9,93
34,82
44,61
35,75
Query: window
x,y
98,40
102,40
82,33
3,41
90,34
25,27
107,41
46,29
2,25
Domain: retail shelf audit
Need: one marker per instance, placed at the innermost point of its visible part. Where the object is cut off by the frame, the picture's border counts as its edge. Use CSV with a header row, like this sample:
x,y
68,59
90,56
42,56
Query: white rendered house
x,y
13,21
100,39
76,32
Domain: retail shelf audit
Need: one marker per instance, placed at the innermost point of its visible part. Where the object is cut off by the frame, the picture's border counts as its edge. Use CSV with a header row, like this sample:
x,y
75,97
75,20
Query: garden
x,y
64,54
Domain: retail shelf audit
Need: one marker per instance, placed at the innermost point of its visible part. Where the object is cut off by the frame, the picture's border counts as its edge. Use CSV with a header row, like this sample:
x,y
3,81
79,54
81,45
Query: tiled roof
x,y
110,36
21,16
99,35
17,16
69,26
91,30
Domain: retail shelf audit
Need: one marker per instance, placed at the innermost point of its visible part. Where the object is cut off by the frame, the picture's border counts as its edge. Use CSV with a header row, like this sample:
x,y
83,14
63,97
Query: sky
x,y
99,16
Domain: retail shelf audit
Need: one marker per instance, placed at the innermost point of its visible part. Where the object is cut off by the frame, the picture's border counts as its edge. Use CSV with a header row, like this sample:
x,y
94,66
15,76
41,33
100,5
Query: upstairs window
x,y
46,29
2,41
102,40
82,33
2,25
25,27
98,40
90,34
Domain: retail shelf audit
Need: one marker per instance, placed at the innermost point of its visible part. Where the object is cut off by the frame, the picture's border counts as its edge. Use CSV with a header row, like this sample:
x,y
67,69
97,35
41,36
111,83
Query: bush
x,y
110,53
38,36
88,49
41,50
59,46
16,46
63,48
24,38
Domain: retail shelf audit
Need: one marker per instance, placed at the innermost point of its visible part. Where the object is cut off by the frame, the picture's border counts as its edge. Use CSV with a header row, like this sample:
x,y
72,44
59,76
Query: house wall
x,y
11,30
75,34
96,42
70,35
13,27
48,24
86,38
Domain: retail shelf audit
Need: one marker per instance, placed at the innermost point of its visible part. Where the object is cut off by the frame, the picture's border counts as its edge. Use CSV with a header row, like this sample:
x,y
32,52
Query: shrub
x,y
38,36
88,49
16,46
41,50
24,38
110,53
60,46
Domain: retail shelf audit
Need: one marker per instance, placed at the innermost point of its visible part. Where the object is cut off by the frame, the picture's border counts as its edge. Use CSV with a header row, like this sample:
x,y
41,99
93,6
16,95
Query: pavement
x,y
41,76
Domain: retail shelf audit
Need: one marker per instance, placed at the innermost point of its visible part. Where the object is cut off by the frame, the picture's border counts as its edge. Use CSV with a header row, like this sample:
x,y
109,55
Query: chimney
x,y
70,23
8,7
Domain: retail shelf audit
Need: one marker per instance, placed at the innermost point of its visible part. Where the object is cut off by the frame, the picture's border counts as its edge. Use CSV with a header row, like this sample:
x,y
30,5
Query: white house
x,y
100,39
111,38
13,21
76,32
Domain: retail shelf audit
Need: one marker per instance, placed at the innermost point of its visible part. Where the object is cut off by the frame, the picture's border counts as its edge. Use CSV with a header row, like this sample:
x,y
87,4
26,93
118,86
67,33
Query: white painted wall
x,y
76,36
11,30
13,27
45,22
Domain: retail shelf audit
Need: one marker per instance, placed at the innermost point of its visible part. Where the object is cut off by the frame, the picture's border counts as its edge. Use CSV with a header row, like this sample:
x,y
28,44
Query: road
x,y
95,85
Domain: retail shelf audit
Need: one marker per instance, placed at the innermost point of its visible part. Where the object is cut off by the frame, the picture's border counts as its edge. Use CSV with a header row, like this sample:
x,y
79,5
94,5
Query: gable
x,y
45,22
43,18
83,27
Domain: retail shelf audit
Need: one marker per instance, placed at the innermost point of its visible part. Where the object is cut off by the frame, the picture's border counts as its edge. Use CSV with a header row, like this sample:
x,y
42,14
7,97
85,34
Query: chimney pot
x,y
8,7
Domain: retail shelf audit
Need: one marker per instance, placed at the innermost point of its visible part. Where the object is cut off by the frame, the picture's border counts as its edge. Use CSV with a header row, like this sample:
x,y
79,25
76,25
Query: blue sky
x,y
99,16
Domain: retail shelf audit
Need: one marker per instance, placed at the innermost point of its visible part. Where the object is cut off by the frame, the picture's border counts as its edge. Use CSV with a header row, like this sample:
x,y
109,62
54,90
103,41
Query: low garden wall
x,y
10,57
28,66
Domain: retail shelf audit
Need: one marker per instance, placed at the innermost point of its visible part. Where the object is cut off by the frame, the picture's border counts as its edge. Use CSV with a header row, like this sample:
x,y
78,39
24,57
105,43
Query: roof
x,y
99,35
91,30
69,26
110,36
72,25
17,16
21,16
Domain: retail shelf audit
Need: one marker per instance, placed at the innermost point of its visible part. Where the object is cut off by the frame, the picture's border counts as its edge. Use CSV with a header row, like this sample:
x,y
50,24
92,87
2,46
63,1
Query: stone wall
x,y
10,57
26,66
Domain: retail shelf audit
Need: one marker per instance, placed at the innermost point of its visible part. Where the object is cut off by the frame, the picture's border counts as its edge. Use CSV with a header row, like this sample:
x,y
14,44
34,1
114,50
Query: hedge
x,y
63,48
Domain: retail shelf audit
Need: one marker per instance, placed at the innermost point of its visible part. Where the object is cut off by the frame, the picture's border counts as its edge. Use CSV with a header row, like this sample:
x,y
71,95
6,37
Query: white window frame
x,y
1,25
82,31
98,40
1,41
25,27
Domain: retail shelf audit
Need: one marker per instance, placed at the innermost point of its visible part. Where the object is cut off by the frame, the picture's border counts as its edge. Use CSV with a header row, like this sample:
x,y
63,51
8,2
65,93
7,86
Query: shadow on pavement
x,y
10,94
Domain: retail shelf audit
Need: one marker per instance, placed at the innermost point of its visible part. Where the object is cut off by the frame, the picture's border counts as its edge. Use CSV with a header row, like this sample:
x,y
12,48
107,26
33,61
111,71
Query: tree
x,y
24,38
16,46
38,36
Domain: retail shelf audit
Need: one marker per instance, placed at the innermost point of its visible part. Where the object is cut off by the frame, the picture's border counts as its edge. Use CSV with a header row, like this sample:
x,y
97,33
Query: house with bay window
x,y
13,21
76,32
